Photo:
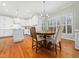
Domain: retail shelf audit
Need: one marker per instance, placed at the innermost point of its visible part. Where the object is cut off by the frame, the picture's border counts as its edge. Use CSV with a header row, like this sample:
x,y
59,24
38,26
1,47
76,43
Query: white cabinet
x,y
18,35
5,32
27,31
76,39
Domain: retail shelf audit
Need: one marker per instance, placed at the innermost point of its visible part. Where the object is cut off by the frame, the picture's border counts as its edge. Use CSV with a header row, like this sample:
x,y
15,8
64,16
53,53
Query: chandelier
x,y
44,14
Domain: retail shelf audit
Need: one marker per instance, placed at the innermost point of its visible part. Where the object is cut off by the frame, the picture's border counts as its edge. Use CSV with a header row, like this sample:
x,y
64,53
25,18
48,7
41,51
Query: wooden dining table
x,y
45,34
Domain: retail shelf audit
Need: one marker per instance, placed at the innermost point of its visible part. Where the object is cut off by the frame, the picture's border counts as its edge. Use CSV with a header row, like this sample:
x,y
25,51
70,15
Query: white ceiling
x,y
29,8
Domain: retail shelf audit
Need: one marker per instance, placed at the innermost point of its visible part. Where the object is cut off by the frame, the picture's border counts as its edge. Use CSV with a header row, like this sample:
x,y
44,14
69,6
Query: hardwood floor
x,y
23,49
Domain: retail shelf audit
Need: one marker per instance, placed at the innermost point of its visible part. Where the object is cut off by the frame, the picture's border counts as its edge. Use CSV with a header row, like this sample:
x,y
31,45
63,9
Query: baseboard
x,y
5,37
69,39
18,42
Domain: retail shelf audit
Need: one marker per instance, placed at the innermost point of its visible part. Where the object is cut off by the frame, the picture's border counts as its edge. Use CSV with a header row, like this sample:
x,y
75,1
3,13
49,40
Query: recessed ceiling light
x,y
6,9
4,4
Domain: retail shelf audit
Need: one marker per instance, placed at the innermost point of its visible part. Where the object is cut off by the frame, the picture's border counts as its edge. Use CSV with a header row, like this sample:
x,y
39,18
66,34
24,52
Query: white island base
x,y
18,35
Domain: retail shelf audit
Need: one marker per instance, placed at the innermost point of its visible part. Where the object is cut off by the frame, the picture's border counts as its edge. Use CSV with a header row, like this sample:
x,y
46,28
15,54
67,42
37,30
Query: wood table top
x,y
45,33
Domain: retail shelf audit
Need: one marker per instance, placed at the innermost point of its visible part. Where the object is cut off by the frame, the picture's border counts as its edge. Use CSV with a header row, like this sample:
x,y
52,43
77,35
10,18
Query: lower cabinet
x,y
18,35
5,32
27,31
77,39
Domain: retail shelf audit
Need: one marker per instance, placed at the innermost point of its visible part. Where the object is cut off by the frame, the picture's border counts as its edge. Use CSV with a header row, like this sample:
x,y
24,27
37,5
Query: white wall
x,y
5,24
66,11
76,16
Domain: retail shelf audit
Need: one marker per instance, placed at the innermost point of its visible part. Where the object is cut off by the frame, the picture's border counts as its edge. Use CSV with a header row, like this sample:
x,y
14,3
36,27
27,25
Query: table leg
x,y
45,42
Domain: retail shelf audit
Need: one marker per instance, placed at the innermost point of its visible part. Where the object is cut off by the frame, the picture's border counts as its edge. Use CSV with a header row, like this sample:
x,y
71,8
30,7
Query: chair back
x,y
51,29
59,33
33,33
38,28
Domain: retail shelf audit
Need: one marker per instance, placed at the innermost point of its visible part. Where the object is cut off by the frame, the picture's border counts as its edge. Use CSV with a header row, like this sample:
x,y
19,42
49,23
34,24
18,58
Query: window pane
x,y
65,20
57,22
69,20
54,22
64,30
69,29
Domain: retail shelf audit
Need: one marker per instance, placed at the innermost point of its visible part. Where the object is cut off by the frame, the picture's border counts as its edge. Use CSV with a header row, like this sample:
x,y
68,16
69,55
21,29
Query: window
x,y
55,22
68,24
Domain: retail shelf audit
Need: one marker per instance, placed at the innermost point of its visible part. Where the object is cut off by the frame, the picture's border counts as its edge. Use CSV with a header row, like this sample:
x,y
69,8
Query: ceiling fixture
x,y
16,19
4,4
44,14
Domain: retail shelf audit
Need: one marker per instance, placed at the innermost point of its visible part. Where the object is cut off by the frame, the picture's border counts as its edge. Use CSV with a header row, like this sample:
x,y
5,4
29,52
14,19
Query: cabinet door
x,y
7,32
77,40
18,35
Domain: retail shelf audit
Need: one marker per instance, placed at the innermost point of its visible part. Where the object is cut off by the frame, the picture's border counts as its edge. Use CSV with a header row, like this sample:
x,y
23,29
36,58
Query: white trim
x,y
68,39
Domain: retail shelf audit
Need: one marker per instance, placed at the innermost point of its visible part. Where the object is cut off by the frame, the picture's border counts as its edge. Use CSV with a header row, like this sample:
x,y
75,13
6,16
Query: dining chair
x,y
36,40
56,41
51,28
39,29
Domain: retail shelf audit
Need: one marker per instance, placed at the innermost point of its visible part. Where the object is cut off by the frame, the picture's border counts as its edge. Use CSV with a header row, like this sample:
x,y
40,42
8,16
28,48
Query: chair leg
x,y
38,46
60,45
32,44
56,49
